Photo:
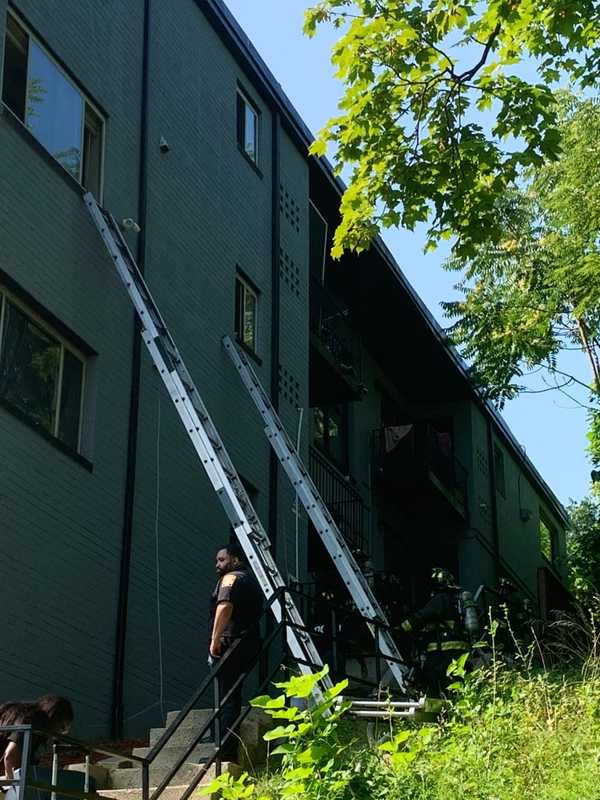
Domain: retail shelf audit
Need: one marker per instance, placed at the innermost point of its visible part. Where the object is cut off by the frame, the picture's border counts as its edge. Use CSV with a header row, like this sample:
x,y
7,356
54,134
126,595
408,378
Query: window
x,y
330,432
41,376
41,95
246,314
499,471
547,539
247,127
318,243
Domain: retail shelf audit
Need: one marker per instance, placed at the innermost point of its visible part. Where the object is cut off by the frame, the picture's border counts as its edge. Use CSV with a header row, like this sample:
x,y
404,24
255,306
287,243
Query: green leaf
x,y
279,732
318,148
265,701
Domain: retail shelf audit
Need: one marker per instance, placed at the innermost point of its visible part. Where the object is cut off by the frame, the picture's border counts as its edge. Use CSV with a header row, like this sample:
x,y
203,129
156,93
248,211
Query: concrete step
x,y
170,755
114,762
195,717
132,778
98,772
183,736
172,792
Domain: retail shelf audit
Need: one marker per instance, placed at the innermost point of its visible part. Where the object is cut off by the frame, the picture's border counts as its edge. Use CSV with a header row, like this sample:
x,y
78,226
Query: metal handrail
x,y
212,718
145,761
29,732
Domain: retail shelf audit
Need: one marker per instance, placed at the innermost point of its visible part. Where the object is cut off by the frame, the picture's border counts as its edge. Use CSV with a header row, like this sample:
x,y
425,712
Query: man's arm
x,y
11,759
222,617
433,611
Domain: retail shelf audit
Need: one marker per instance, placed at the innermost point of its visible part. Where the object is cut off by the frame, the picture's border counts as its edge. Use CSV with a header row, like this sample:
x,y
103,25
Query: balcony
x,y
342,499
416,463
336,363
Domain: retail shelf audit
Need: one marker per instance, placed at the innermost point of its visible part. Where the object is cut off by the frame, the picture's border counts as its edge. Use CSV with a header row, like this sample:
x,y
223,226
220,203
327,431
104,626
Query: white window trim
x,y
256,113
248,288
86,101
7,295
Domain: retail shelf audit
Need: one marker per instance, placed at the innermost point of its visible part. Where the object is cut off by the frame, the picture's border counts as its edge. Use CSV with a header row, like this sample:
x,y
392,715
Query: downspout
x,y
275,316
493,502
134,405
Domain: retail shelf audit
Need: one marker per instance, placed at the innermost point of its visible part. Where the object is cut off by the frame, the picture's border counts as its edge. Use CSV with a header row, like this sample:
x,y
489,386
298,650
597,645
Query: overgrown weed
x,y
526,729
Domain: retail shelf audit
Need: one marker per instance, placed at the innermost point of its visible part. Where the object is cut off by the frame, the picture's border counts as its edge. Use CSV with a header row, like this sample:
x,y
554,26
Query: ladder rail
x,y
205,438
319,515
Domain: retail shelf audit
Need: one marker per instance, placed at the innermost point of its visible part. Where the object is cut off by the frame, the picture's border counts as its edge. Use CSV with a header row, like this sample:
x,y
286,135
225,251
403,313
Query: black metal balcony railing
x,y
329,323
419,453
342,499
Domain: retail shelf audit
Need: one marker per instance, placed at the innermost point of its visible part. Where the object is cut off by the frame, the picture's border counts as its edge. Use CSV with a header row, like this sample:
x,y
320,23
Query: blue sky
x,y
549,426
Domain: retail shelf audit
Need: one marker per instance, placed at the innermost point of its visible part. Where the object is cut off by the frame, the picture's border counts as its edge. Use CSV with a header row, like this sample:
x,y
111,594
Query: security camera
x,y
163,145
129,224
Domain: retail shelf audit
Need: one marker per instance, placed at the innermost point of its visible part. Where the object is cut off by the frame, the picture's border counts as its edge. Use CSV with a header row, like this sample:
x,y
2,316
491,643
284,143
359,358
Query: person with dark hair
x,y
235,609
58,710
50,714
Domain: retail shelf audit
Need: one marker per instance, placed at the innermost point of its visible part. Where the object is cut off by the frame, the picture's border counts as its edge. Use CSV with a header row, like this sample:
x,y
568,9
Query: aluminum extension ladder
x,y
205,439
324,524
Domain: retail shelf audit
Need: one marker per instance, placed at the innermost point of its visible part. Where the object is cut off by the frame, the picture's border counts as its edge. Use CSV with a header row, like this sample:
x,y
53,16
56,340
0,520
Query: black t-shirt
x,y
238,587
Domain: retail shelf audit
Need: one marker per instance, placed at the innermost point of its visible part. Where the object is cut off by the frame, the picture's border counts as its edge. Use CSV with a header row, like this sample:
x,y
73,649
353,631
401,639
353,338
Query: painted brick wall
x,y
61,525
209,214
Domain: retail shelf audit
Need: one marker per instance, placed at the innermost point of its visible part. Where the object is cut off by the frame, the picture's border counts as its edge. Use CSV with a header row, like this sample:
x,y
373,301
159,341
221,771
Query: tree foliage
x,y
435,119
583,548
536,293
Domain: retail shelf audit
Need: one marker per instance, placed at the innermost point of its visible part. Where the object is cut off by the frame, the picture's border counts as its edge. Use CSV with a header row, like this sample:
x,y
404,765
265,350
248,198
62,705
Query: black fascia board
x,y
271,90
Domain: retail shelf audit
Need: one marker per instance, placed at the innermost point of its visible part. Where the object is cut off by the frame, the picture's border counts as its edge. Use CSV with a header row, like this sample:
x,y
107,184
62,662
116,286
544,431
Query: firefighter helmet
x,y
442,578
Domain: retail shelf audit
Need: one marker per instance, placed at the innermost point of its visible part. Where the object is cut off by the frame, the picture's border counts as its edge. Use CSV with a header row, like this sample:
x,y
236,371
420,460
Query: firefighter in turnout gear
x,y
440,624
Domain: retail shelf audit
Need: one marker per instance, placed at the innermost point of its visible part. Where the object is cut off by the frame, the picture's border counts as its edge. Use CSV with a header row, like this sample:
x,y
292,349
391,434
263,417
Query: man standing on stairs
x,y
235,609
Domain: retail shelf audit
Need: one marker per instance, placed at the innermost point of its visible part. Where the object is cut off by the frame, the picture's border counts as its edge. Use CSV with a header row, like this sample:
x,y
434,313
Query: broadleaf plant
x,y
440,113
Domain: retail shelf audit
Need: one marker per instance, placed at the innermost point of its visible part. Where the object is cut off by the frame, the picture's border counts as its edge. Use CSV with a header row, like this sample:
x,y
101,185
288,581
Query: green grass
x,y
507,734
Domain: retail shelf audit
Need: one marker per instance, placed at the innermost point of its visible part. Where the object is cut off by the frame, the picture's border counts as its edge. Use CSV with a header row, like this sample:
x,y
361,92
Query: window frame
x,y
344,428
324,264
86,100
247,286
240,121
544,520
7,296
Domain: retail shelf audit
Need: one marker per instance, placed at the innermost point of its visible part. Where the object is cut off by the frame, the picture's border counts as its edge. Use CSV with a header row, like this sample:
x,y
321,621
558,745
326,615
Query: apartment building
x,y
109,526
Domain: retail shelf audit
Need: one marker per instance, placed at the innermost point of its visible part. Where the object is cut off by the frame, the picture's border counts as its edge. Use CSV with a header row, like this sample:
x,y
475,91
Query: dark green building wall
x,y
61,519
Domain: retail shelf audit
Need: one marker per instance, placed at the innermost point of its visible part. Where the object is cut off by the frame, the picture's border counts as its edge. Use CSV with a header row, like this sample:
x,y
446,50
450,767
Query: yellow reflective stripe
x,y
406,626
433,647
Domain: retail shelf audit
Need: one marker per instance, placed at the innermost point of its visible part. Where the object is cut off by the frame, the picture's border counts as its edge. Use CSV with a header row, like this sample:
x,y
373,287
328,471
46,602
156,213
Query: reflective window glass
x,y
29,368
247,127
246,315
14,84
250,319
39,377
54,112
70,399
250,133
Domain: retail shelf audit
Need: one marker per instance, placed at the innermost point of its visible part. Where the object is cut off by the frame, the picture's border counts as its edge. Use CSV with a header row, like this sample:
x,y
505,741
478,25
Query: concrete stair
x,y
121,778
172,792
